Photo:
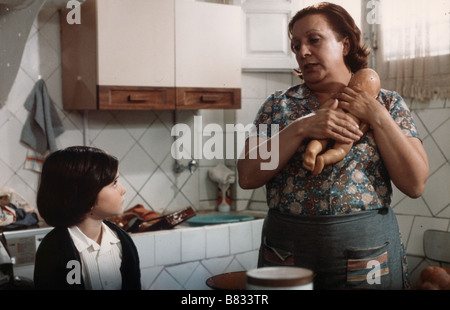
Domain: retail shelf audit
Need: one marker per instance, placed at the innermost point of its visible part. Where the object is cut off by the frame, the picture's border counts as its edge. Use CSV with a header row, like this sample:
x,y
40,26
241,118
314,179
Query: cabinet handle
x,y
138,97
209,98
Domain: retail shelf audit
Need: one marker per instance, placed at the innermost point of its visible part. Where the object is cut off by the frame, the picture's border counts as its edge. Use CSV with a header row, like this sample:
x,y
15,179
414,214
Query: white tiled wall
x,y
140,140
142,143
185,258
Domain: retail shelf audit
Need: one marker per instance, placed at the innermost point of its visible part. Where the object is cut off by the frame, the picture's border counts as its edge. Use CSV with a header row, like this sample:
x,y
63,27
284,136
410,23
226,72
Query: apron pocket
x,y
275,256
368,268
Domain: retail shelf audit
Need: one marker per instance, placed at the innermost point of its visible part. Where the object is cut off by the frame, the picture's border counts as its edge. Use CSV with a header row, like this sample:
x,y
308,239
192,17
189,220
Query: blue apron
x,y
360,250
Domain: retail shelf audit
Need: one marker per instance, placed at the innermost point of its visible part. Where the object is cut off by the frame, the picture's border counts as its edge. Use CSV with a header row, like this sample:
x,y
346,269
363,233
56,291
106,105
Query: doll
x,y
365,79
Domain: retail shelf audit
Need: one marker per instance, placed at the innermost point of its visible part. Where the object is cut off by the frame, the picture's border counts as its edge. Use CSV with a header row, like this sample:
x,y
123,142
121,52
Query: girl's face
x,y
109,200
319,54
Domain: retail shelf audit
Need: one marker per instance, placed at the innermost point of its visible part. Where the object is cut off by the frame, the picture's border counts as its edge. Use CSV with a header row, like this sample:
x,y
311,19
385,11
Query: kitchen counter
x,y
180,258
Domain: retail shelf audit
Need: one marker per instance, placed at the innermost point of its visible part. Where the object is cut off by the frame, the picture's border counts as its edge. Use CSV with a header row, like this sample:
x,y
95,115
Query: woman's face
x,y
319,54
109,200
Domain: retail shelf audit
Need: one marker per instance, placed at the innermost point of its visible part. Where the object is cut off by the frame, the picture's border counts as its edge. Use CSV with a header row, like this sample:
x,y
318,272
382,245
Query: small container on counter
x,y
280,278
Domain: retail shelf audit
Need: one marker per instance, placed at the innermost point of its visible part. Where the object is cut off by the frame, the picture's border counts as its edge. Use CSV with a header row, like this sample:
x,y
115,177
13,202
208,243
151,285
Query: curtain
x,y
413,52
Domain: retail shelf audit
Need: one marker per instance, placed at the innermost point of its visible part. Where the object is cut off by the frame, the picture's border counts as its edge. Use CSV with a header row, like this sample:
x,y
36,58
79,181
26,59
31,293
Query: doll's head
x,y
367,80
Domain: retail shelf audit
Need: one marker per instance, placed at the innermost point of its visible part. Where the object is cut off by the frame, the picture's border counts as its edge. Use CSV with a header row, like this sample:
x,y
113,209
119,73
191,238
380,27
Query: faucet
x,y
191,166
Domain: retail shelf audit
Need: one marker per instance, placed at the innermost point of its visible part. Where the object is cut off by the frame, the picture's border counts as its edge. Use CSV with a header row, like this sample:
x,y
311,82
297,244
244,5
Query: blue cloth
x,y
43,124
361,250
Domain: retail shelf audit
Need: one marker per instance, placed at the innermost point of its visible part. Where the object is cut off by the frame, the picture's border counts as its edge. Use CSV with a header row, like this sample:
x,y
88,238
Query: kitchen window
x,y
414,47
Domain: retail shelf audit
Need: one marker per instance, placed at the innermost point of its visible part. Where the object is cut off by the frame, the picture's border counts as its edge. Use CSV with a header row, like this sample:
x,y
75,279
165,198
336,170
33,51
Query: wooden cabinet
x,y
152,54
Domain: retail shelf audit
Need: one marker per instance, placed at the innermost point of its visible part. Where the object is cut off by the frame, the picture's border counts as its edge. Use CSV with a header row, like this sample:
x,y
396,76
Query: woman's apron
x,y
356,251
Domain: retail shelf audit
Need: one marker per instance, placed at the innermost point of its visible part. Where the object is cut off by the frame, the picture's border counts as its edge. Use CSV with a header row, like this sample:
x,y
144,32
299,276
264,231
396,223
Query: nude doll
x,y
364,79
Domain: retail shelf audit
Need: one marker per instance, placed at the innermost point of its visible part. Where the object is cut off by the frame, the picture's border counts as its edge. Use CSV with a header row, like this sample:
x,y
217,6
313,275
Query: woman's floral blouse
x,y
358,182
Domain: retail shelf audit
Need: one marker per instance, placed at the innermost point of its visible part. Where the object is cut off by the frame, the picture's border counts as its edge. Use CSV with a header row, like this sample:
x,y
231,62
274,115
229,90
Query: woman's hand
x,y
404,157
360,104
329,122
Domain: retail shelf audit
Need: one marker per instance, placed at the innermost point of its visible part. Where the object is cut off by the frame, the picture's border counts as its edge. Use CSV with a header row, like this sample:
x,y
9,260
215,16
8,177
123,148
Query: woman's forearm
x,y
256,168
404,157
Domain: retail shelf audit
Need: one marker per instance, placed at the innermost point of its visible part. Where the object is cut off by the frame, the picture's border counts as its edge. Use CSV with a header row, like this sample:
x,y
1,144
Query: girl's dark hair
x,y
344,26
70,182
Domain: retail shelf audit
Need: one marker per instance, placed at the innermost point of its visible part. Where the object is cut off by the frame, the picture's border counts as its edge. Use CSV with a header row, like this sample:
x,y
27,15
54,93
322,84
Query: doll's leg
x,y
331,156
337,153
313,148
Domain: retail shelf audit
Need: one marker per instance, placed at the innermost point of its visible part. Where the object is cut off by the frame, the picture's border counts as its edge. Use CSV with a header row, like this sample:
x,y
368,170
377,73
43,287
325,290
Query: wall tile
x,y
412,207
165,281
240,237
217,240
217,265
255,85
415,242
435,157
108,139
182,272
14,154
167,247
132,166
158,192
149,275
256,232
234,266
433,118
157,141
6,174
405,224
248,260
145,244
193,244
437,193
136,123
441,136
197,281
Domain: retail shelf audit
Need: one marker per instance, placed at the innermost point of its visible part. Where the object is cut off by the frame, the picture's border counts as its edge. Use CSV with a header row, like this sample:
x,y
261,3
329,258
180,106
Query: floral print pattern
x,y
358,182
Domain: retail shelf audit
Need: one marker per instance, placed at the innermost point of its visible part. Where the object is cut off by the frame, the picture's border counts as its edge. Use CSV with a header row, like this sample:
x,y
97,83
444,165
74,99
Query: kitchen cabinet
x,y
266,45
152,55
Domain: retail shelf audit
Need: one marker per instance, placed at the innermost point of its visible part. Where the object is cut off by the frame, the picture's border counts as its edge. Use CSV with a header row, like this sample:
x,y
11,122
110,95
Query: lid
x,y
280,276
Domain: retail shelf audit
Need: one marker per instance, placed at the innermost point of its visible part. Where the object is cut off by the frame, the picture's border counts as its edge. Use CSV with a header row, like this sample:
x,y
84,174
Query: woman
x,y
79,189
338,223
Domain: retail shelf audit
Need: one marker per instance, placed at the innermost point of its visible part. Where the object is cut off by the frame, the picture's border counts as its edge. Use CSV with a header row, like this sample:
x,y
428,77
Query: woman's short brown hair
x,y
344,26
70,182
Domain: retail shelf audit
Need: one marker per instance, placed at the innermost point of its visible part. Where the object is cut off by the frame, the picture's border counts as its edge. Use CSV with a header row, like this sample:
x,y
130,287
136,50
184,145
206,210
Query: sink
x,y
213,219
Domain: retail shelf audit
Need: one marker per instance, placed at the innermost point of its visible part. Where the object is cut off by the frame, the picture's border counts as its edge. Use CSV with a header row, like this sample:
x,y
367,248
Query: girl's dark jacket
x,y
57,249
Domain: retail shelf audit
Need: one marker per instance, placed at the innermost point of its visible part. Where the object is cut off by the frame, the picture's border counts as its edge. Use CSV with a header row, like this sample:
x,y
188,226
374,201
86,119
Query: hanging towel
x,y
34,160
43,124
221,174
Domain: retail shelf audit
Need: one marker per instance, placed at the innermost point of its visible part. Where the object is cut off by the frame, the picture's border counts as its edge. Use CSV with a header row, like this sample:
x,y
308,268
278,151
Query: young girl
x,y
79,189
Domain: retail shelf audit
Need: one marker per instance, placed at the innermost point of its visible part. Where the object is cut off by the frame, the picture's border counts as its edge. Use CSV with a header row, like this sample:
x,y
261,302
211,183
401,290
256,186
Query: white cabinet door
x,y
266,45
208,45
136,42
